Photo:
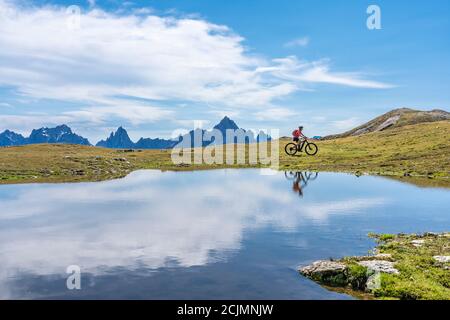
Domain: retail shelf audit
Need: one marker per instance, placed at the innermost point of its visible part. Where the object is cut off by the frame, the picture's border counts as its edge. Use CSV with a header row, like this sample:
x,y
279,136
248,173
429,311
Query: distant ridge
x,y
394,119
121,140
59,134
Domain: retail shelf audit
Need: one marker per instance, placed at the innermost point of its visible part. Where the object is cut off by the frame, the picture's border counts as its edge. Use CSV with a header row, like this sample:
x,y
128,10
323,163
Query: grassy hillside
x,y
416,150
420,150
395,119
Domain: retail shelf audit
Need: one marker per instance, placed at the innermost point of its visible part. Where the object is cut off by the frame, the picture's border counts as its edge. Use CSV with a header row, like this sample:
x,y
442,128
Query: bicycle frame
x,y
301,145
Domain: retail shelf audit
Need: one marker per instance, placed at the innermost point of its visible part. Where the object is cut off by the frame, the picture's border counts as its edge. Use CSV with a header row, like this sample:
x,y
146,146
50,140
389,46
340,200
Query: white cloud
x,y
135,114
346,124
93,121
299,42
143,55
275,114
304,72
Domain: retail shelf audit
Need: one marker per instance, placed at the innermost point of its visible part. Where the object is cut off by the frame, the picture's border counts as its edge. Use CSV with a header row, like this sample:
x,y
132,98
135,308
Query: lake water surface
x,y
225,234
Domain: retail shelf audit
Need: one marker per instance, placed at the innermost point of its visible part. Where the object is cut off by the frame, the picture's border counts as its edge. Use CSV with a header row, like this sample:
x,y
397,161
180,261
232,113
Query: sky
x,y
156,67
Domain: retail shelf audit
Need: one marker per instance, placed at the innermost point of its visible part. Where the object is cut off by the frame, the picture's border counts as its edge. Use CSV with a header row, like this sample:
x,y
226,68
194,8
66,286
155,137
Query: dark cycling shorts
x,y
296,139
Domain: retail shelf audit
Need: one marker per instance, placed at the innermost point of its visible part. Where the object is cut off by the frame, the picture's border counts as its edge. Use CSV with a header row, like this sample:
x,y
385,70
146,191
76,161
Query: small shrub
x,y
386,237
357,276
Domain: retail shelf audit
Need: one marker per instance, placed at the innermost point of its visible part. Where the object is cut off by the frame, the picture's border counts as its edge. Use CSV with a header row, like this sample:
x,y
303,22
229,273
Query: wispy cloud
x,y
346,124
299,42
141,55
275,114
304,72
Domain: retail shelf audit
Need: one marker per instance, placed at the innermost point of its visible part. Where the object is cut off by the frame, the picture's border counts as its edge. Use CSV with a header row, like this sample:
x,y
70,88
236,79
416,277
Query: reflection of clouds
x,y
146,220
321,211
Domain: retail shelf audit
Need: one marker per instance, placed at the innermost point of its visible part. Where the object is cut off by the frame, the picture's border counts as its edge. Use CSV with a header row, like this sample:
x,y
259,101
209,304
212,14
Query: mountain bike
x,y
307,175
310,148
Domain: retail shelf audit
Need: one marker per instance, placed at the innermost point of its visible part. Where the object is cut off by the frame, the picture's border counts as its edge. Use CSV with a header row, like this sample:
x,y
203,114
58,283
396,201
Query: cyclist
x,y
297,134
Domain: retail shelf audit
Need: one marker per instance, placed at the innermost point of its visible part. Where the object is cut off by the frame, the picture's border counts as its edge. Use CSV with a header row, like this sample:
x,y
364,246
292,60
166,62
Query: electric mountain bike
x,y
310,148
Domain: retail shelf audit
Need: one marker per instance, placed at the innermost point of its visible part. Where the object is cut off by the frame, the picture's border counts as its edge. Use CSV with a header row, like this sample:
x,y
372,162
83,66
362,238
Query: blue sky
x,y
158,66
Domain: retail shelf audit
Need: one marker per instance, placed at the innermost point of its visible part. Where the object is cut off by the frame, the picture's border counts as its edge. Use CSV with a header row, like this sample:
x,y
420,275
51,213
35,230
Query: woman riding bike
x,y
297,134
301,144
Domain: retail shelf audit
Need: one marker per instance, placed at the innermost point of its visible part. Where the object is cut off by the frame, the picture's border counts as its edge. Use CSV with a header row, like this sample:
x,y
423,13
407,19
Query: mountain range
x,y
59,134
120,139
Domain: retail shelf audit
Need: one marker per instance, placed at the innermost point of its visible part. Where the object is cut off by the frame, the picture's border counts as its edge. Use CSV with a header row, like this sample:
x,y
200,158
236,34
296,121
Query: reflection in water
x,y
151,222
300,180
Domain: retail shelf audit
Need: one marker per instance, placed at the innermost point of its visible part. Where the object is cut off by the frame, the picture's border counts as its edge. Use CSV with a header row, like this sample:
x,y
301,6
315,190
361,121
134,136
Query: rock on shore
x,y
403,266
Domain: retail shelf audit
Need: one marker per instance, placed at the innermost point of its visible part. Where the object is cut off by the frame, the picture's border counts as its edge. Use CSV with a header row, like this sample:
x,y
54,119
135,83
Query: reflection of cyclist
x,y
296,186
300,180
297,134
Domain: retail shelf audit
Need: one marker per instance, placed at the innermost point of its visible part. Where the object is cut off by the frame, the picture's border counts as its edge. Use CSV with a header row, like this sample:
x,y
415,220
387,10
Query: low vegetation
x,y
422,262
421,150
421,274
415,153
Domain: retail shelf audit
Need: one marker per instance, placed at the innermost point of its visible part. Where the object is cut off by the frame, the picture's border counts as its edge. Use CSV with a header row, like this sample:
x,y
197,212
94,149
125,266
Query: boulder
x,y
323,266
418,243
383,256
373,282
326,272
379,266
442,259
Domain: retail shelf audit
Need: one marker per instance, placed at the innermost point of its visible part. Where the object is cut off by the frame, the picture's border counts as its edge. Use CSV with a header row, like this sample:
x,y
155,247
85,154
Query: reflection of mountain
x,y
146,219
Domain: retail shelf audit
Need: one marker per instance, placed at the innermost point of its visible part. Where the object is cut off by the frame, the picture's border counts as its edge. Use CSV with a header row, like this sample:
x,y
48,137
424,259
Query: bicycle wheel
x,y
290,175
311,149
291,149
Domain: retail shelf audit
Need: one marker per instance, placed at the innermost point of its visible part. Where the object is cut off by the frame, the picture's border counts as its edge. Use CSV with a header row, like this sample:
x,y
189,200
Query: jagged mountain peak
x,y
118,139
226,124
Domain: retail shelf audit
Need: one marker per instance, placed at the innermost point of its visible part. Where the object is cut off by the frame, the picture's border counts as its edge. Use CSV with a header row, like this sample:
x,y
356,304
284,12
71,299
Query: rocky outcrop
x,y
379,266
326,272
357,273
442,259
323,268
402,266
418,243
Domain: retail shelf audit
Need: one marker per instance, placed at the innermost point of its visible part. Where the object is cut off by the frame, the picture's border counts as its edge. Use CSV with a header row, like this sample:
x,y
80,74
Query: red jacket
x,y
297,133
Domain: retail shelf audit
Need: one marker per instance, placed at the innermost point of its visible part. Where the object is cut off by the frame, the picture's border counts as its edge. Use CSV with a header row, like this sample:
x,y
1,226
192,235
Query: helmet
x,y
300,127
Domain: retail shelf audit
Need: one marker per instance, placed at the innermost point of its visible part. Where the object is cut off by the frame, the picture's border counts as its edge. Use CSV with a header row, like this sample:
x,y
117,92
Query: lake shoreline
x,y
76,177
416,154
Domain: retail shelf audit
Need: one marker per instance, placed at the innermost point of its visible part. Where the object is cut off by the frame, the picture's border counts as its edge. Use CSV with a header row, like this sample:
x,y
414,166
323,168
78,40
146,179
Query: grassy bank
x,y
420,151
421,269
416,150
